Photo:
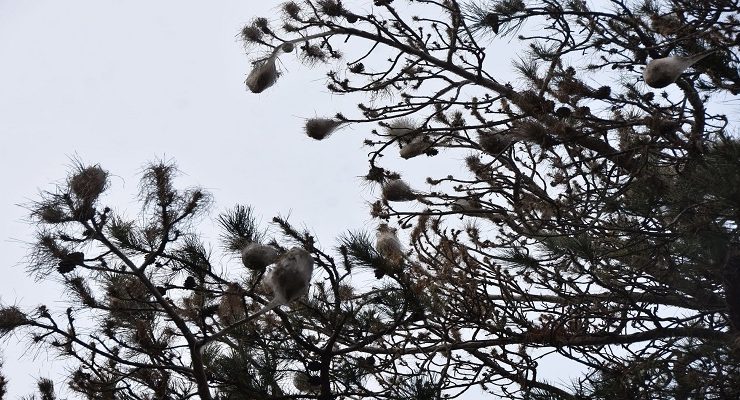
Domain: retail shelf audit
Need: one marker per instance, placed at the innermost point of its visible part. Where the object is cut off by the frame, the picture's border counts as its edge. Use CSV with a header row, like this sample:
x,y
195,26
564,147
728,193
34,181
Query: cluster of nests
x,y
258,256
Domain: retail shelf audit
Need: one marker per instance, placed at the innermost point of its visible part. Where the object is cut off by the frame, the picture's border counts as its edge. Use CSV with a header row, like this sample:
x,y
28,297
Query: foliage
x,y
597,220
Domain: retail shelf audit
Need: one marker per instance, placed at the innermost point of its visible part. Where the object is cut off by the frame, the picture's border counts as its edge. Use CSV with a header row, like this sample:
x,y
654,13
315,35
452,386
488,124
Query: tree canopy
x,y
596,220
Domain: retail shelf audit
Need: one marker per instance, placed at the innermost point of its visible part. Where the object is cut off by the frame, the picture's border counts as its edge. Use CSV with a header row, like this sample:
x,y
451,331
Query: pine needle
x,y
239,228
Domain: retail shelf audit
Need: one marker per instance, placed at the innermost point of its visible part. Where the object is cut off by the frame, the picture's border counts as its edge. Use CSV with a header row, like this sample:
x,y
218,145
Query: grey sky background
x,y
124,83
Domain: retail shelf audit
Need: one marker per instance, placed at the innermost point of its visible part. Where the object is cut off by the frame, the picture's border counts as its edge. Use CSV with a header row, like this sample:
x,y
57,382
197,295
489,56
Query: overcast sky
x,y
123,83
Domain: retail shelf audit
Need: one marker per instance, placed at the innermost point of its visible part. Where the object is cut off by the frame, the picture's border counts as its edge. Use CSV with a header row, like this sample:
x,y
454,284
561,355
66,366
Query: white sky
x,y
123,83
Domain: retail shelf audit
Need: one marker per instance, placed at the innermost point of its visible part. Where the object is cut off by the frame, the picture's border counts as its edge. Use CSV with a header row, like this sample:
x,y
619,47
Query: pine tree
x,y
597,219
